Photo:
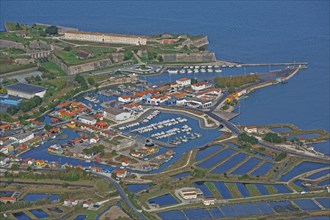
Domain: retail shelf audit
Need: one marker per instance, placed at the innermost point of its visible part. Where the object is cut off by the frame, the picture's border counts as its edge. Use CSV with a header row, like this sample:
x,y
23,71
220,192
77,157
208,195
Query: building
x,y
188,194
7,199
183,82
116,114
251,129
133,107
21,138
124,99
26,91
199,103
200,86
106,38
4,161
87,120
120,173
209,201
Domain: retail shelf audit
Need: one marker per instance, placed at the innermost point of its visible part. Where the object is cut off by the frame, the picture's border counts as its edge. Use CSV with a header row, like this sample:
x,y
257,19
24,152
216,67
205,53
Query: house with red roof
x,y
251,129
120,173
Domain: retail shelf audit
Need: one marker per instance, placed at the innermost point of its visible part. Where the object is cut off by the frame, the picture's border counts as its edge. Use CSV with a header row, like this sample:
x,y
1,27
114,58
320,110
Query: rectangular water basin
x,y
39,213
306,204
163,200
302,168
197,214
216,158
201,154
262,170
247,166
223,190
229,163
169,215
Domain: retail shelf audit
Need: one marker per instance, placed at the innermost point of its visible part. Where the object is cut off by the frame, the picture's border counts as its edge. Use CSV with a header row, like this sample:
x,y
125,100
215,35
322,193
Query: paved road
x,y
122,195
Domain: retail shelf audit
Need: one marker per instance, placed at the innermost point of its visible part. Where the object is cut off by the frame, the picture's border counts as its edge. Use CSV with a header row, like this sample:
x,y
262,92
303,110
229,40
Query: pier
x,y
303,64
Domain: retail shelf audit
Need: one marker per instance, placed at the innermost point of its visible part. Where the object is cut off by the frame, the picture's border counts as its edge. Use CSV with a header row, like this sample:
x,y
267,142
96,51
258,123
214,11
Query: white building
x,y
26,91
106,38
188,194
116,114
4,161
87,120
21,138
251,129
125,99
242,92
183,82
94,140
209,201
199,103
200,86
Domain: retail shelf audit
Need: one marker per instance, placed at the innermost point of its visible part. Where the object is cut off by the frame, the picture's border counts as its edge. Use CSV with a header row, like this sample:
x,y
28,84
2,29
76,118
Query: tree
x,y
48,127
51,30
244,137
128,55
67,48
273,137
12,110
3,90
18,26
42,109
91,80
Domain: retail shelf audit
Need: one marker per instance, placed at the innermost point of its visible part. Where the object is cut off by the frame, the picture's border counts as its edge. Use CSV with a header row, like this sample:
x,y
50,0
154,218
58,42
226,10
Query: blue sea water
x,y
246,31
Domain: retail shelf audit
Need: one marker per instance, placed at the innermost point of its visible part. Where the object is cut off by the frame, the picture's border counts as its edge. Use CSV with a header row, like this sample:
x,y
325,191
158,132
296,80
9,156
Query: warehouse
x,y
26,91
116,114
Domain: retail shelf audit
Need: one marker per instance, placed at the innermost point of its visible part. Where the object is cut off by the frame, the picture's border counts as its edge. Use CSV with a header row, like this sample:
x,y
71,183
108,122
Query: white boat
x,y
203,70
185,67
196,67
172,71
196,70
223,66
189,71
218,70
182,71
209,67
230,66
210,70
191,67
239,65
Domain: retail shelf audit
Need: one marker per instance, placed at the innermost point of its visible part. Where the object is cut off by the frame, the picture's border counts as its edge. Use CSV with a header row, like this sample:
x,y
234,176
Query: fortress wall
x,y
84,67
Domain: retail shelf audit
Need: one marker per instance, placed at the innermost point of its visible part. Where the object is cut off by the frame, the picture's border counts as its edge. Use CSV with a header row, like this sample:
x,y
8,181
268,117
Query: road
x,y
122,195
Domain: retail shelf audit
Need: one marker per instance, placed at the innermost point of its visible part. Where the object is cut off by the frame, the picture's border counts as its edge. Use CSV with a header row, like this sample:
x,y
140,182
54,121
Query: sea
x,y
243,31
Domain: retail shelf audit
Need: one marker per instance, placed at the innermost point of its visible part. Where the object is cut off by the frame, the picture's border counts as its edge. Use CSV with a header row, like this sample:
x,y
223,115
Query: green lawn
x,y
232,187
271,189
53,68
8,65
253,190
213,189
13,37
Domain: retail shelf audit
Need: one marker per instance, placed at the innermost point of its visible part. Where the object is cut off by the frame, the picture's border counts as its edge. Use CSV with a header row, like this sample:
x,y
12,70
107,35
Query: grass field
x,y
271,189
213,189
253,190
53,68
233,190
8,65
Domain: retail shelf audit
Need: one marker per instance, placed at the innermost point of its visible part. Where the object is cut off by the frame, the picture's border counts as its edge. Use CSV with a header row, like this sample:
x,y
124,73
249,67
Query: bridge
x,y
40,54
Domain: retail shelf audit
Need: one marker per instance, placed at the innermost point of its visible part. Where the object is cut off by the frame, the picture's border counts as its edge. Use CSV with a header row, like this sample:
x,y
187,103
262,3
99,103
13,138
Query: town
x,y
94,124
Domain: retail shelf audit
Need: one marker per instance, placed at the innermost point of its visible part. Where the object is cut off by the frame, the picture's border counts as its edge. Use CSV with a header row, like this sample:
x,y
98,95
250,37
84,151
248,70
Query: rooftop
x,y
26,88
